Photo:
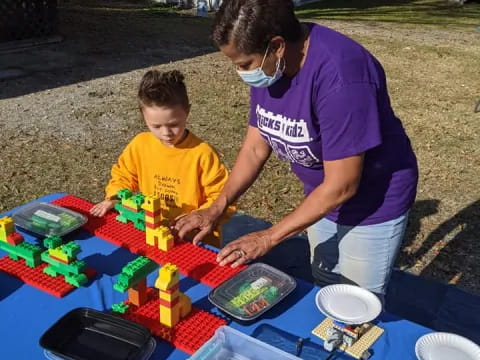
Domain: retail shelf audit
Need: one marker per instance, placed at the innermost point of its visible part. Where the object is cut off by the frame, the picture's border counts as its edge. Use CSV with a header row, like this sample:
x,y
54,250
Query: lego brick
x,y
75,267
130,206
193,261
169,315
168,296
151,205
6,227
124,194
14,239
166,304
29,252
52,242
188,335
58,259
71,249
58,254
153,214
137,295
134,272
36,278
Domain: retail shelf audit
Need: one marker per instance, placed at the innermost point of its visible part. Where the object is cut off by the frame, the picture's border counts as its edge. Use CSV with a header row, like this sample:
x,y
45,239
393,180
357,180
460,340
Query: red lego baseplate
x,y
35,277
192,261
188,335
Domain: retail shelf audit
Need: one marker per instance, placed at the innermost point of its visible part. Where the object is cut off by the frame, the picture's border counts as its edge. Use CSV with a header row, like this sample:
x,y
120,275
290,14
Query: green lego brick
x,y
52,242
67,220
124,194
133,272
43,224
138,199
75,267
29,252
76,280
71,249
120,308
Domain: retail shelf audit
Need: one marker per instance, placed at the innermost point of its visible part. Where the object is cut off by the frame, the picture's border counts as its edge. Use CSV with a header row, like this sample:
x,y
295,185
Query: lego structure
x,y
193,261
62,260
13,243
134,279
156,234
174,305
129,209
355,340
39,268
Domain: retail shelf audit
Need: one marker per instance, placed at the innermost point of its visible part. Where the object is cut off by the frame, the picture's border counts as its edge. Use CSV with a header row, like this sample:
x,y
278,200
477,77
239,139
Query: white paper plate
x,y
348,303
446,346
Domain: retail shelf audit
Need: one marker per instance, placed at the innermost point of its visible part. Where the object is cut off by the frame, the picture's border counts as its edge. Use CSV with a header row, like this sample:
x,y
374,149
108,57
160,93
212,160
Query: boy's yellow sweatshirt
x,y
186,177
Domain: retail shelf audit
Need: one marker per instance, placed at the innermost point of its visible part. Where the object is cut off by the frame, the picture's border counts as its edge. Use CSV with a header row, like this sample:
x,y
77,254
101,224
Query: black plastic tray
x,y
88,334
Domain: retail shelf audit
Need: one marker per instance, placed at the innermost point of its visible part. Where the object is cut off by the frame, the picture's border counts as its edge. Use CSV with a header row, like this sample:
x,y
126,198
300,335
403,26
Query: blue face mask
x,y
258,78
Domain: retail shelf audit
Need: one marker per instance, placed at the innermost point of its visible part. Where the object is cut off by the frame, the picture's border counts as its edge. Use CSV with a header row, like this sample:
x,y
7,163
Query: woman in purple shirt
x,y
319,100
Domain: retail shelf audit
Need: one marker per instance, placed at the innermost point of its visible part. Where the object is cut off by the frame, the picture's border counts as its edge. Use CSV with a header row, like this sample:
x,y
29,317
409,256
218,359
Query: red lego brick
x,y
35,277
15,239
192,261
188,335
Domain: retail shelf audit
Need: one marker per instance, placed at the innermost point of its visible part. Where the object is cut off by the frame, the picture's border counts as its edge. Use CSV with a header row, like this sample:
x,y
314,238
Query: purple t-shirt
x,y
338,106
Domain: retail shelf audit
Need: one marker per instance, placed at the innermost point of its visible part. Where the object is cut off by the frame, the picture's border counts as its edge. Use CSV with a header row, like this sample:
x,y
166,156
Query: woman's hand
x,y
246,248
204,220
102,208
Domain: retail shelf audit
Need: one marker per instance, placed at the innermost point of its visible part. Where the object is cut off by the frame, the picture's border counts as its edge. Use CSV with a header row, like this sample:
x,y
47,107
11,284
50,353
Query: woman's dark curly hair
x,y
251,24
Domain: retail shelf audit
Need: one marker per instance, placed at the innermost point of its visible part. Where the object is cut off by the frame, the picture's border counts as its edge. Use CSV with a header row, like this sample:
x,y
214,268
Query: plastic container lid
x,y
87,334
47,219
252,292
231,344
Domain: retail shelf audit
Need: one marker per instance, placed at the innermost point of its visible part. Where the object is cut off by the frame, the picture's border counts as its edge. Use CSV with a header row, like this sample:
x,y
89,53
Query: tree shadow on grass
x,y
102,39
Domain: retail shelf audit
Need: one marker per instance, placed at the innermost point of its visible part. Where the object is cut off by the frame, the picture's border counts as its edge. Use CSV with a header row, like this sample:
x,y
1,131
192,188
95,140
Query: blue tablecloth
x,y
27,312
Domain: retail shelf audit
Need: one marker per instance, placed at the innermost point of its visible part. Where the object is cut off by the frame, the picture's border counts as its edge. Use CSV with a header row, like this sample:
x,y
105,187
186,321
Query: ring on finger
x,y
240,253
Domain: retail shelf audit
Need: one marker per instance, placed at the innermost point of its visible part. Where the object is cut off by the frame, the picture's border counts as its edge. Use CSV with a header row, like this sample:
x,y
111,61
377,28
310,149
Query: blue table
x,y
27,312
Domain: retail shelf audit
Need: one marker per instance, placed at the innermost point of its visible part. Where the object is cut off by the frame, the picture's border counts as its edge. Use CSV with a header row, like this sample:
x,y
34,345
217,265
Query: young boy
x,y
168,162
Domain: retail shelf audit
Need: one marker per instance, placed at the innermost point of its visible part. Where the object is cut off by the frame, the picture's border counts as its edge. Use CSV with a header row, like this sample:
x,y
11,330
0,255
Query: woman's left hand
x,y
246,248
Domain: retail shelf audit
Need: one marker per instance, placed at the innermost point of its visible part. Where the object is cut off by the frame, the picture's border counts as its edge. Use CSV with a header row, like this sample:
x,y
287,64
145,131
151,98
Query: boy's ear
x,y
188,109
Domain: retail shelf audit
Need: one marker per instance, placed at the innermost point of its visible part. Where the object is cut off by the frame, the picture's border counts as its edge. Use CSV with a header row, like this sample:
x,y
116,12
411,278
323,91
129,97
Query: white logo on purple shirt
x,y
282,132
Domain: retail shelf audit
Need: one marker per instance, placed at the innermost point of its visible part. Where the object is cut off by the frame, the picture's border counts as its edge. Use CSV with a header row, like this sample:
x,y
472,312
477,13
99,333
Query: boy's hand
x,y
102,208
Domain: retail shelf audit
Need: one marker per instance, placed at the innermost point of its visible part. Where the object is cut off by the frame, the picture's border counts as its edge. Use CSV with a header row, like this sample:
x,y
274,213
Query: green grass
x,y
418,12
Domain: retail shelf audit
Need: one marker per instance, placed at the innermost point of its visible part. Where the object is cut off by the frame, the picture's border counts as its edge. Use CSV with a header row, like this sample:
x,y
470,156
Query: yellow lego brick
x,y
365,342
6,227
169,317
57,252
167,277
131,204
152,219
169,297
166,243
160,237
151,204
150,236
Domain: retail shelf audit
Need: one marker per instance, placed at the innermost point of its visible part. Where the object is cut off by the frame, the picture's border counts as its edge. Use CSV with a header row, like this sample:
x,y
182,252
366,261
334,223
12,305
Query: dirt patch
x,y
63,125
